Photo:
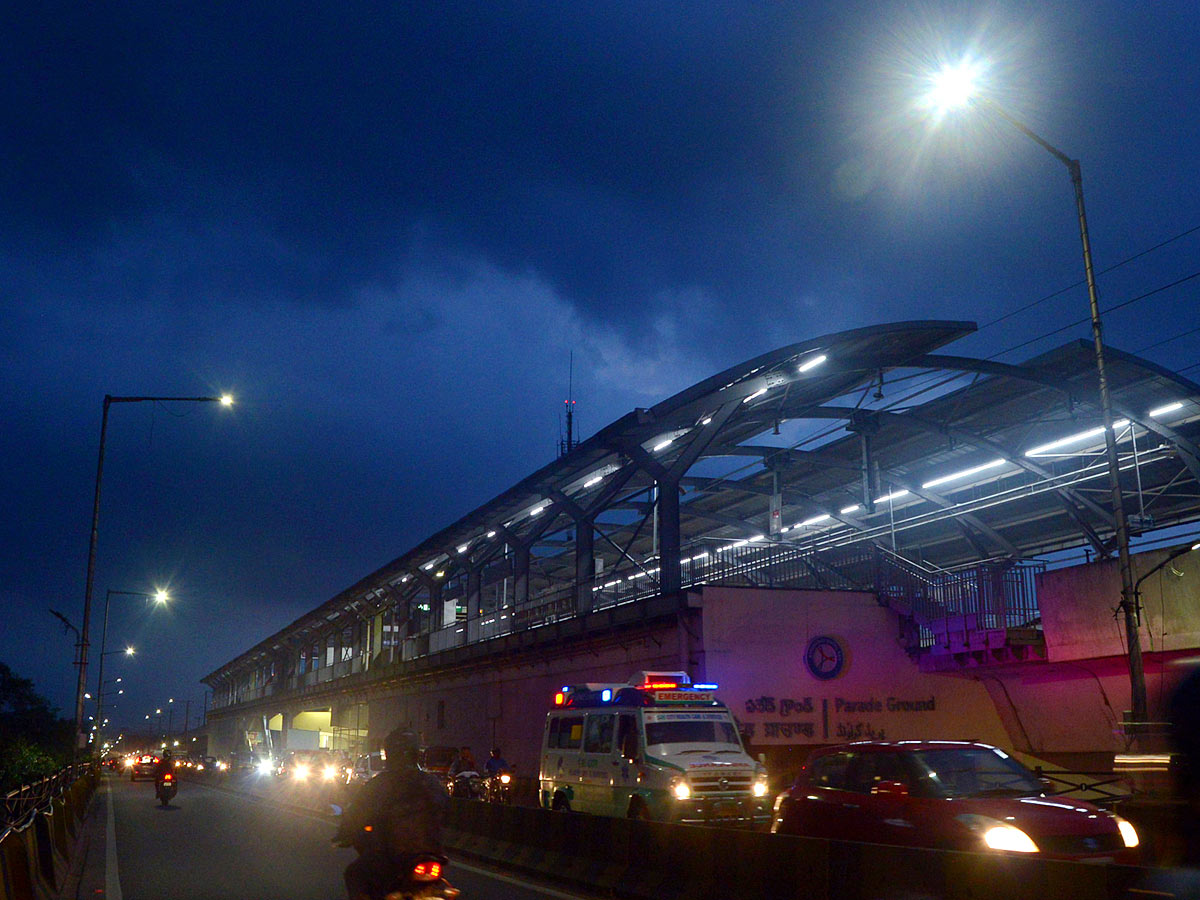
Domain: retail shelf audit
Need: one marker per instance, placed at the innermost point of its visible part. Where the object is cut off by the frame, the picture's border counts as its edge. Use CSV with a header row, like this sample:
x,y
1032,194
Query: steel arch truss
x,y
805,457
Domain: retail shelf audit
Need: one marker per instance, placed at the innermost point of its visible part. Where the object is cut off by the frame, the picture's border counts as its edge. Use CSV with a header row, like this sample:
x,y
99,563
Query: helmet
x,y
401,746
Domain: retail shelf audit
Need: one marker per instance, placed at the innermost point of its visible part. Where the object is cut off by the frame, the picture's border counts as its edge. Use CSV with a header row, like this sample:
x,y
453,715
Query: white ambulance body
x,y
657,747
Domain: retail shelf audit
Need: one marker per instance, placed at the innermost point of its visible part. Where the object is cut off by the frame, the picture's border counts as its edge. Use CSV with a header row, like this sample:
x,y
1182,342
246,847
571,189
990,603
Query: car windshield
x,y
973,772
692,732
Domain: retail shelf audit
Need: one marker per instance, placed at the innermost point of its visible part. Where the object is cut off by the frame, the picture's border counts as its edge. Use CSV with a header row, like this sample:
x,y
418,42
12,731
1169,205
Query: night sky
x,y
385,227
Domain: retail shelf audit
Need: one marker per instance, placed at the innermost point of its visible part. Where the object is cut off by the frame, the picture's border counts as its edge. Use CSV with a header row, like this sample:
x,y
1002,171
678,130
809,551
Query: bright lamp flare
x,y
227,400
954,86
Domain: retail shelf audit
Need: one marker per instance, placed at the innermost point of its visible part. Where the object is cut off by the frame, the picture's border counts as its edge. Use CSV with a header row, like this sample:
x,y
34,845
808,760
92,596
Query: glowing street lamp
x,y
160,597
957,87
225,400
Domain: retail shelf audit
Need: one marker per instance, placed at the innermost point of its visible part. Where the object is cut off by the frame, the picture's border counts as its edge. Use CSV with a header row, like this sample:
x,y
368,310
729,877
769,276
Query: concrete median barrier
x,y
35,856
16,868
637,859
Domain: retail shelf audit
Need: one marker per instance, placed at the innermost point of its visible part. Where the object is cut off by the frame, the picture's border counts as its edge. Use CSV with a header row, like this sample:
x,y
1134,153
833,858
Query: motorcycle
x,y
498,788
421,878
467,784
165,788
418,877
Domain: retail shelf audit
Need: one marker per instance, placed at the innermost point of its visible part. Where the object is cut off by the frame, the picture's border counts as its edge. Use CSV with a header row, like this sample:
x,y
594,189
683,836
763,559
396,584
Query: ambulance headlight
x,y
759,788
681,790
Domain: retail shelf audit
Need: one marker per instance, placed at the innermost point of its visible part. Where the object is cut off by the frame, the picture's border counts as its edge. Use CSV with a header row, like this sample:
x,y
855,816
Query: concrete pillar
x,y
520,574
474,581
585,564
669,576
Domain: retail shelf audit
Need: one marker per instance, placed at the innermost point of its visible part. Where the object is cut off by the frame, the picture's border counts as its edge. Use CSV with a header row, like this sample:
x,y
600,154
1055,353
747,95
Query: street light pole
x,y
1129,606
81,657
160,596
128,651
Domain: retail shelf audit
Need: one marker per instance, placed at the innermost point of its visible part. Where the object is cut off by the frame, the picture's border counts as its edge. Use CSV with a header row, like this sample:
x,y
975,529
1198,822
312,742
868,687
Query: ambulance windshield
x,y
691,732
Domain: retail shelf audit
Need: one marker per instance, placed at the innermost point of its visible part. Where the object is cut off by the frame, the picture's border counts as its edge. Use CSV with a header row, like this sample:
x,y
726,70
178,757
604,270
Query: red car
x,y
951,795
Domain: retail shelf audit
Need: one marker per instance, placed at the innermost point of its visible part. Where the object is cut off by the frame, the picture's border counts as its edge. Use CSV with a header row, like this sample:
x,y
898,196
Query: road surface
x,y
217,844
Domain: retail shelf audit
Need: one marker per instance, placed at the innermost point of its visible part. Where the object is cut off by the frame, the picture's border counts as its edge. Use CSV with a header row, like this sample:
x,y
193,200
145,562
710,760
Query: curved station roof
x,y
869,438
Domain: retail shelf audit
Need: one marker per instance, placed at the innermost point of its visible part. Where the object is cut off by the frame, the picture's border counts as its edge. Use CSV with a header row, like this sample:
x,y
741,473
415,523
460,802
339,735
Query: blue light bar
x,y
566,688
705,687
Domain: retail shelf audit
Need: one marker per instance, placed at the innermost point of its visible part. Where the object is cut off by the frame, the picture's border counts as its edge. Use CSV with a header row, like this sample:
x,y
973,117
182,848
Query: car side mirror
x,y
895,789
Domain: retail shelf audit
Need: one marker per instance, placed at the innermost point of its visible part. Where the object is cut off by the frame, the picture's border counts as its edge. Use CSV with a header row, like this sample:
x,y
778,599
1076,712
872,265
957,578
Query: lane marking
x,y
112,878
489,873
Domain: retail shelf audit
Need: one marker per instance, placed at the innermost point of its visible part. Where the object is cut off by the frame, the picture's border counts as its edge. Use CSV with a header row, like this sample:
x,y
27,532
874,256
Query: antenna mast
x,y
566,445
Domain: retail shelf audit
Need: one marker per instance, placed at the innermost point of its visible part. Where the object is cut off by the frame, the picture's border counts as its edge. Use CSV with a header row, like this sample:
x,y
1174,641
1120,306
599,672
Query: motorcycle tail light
x,y
427,870
168,777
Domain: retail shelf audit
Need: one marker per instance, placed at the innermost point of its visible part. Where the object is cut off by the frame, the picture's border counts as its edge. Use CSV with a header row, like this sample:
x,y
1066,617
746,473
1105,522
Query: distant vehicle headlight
x,y
199,767
222,765
129,763
505,778
265,767
301,772
1128,833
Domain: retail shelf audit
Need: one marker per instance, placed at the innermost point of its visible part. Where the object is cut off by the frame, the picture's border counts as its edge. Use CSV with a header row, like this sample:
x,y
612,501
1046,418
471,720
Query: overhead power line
x,y
1079,283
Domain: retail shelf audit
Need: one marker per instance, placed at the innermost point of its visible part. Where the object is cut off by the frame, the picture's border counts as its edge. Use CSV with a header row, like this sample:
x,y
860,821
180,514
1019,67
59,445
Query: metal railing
x,y
987,596
23,803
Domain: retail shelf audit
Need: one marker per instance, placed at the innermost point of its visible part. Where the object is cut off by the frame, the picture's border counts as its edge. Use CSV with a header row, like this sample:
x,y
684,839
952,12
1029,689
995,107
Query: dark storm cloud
x,y
324,141
386,227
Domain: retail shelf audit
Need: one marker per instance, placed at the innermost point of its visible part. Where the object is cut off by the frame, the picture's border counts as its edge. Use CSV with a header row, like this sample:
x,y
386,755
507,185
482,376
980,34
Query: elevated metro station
x,y
860,535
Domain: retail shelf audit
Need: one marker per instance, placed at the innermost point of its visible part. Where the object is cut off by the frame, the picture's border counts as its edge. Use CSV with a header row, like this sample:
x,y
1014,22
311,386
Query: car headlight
x,y
681,789
1128,833
265,767
997,835
300,772
1009,837
330,773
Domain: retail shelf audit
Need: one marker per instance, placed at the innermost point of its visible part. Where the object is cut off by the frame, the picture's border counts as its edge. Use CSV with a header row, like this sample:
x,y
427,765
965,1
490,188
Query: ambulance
x,y
657,747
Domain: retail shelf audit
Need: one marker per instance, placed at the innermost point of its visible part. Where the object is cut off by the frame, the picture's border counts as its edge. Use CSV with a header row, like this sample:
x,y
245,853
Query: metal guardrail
x,y
1103,789
986,596
25,802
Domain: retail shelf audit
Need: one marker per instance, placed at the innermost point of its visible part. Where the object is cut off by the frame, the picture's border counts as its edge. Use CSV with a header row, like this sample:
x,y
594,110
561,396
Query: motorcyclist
x,y
165,764
495,764
394,816
464,762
